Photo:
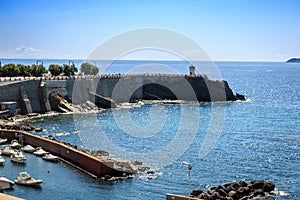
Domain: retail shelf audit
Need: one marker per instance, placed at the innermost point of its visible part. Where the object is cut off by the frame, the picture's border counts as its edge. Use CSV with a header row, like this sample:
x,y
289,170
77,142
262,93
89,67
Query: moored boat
x,y
5,183
18,157
39,151
25,179
3,140
15,144
28,149
7,151
2,161
50,157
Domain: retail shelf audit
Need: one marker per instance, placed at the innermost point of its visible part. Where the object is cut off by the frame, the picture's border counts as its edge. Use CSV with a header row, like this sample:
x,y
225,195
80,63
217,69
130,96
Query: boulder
x,y
257,184
204,196
235,185
196,193
232,194
222,192
215,195
259,193
240,97
268,186
243,183
241,191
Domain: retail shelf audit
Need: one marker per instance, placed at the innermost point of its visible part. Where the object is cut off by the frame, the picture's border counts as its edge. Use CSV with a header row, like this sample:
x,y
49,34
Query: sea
x,y
245,140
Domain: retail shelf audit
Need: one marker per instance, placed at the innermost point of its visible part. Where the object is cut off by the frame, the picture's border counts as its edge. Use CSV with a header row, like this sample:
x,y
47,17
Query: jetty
x,y
8,197
94,166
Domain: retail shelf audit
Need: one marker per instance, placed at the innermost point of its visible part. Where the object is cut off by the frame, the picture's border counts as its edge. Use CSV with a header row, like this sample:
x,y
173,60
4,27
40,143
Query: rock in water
x,y
236,190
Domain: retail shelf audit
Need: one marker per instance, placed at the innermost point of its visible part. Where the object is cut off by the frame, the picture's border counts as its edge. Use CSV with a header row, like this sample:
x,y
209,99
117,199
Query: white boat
x,y
18,157
62,134
39,151
28,149
15,144
2,161
5,183
50,157
7,151
3,140
25,179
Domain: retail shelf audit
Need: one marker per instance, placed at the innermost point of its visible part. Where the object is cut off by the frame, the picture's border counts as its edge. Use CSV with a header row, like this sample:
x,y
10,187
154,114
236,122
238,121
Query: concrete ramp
x,y
25,102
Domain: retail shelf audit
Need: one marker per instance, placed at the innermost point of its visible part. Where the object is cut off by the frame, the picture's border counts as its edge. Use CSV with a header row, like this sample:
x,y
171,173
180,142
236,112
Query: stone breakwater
x,y
237,190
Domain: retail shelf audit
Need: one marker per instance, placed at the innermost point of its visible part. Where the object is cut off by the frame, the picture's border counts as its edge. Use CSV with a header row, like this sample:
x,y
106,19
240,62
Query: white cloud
x,y
27,51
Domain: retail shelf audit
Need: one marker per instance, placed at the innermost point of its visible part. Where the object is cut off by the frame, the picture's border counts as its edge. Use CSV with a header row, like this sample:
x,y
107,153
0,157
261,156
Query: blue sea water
x,y
259,139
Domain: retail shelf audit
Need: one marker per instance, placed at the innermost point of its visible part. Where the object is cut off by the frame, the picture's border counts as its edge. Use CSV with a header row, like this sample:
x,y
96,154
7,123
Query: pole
x,y
189,177
189,165
37,62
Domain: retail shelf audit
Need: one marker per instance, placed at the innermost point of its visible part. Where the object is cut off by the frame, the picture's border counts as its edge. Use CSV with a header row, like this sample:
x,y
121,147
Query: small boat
x,y
7,151
28,149
18,157
2,161
15,144
39,151
50,157
3,140
25,179
62,134
5,183
39,129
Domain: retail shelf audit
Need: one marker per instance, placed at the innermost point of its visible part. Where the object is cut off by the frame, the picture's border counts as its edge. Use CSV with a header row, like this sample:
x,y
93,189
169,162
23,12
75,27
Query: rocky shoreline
x,y
237,190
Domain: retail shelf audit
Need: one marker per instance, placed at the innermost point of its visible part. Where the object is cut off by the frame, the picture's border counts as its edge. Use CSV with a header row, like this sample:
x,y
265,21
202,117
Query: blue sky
x,y
228,30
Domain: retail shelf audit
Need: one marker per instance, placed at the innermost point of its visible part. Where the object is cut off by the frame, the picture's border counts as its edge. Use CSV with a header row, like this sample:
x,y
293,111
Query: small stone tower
x,y
192,70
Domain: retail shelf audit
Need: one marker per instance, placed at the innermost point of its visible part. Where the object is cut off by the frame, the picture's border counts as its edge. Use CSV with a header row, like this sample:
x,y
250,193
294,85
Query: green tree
x,y
69,70
37,70
10,70
55,69
89,69
73,69
24,70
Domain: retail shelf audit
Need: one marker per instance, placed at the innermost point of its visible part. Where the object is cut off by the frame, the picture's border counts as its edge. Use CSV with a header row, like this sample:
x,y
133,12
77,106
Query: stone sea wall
x,y
33,95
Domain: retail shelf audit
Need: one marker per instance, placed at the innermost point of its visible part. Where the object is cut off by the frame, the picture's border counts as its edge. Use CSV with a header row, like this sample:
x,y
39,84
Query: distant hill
x,y
297,60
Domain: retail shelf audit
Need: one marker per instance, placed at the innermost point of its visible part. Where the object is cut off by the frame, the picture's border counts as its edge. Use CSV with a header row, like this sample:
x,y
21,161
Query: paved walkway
x,y
8,197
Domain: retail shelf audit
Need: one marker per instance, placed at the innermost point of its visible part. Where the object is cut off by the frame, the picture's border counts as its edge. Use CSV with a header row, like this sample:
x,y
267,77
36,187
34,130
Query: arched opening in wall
x,y
153,91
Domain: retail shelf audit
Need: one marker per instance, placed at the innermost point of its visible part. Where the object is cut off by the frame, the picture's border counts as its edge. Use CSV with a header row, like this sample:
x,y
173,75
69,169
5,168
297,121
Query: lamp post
x,y
189,165
71,61
37,62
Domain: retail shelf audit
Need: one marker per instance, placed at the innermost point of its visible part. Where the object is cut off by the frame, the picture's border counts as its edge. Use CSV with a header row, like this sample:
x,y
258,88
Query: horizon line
x,y
164,60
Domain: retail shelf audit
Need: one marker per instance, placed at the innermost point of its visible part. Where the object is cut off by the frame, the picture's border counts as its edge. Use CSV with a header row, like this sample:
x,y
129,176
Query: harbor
x,y
269,152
